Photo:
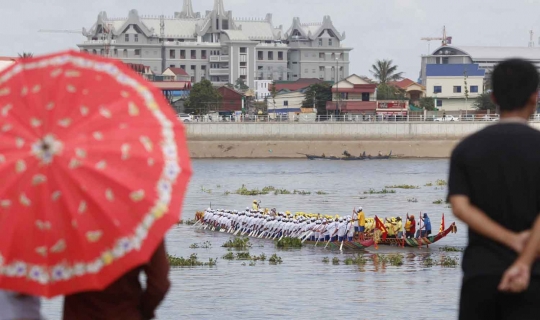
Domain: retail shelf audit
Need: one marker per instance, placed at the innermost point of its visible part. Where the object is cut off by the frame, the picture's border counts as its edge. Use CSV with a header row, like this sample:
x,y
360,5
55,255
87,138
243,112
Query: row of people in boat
x,y
276,224
346,154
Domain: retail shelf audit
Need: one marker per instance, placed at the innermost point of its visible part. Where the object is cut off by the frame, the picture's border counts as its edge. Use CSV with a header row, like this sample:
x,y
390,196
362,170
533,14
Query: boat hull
x,y
418,242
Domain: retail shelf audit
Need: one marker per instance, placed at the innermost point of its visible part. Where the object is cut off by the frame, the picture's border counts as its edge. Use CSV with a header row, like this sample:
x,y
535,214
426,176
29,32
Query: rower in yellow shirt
x,y
361,223
255,205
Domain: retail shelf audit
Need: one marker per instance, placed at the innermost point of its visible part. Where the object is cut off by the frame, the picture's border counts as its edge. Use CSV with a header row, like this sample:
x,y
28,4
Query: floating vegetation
x,y
440,201
449,262
204,245
243,191
227,193
362,198
383,191
192,261
428,262
268,189
218,186
281,191
381,258
325,260
335,261
321,192
429,184
243,256
402,186
275,259
203,189
440,182
451,249
262,257
228,256
412,200
395,259
252,263
302,192
238,243
289,243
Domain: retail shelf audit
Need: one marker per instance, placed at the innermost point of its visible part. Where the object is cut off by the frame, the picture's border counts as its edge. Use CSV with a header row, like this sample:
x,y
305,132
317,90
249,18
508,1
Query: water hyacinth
x,y
288,242
238,243
275,259
192,261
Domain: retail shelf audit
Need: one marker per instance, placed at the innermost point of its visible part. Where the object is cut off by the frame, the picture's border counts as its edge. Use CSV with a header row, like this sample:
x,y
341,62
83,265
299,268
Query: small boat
x,y
418,242
349,158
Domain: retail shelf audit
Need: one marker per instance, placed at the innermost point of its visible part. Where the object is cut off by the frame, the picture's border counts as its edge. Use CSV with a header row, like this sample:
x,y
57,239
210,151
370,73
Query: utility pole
x,y
162,36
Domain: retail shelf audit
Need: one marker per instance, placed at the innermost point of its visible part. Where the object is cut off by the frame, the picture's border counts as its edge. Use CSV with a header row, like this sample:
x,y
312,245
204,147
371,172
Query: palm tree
x,y
25,55
384,71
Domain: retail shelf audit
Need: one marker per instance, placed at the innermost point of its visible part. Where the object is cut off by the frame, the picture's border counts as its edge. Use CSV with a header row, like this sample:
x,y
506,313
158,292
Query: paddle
x,y
307,237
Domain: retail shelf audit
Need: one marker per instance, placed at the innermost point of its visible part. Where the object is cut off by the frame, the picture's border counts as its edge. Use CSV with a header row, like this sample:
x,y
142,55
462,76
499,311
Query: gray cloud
x,y
377,29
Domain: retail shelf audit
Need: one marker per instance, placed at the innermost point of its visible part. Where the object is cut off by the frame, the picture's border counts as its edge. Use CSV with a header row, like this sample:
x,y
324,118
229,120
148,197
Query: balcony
x,y
219,72
214,58
224,58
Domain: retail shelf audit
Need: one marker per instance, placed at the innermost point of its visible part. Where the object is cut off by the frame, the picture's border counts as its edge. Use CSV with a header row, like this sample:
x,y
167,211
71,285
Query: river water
x,y
303,287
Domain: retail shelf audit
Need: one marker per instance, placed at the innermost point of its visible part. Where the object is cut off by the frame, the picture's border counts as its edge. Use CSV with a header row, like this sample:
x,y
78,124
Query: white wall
x,y
261,89
294,101
448,83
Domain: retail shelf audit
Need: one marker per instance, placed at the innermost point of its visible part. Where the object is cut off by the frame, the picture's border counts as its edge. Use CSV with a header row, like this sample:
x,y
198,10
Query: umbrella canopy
x,y
94,167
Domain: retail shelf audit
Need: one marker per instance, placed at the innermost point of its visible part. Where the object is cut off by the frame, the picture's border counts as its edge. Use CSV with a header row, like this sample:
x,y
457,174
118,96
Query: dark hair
x,y
514,81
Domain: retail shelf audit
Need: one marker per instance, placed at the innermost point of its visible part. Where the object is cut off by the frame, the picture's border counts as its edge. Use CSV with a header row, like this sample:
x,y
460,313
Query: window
x,y
286,103
313,71
457,89
270,55
127,37
321,55
203,54
172,66
330,42
243,64
321,69
474,89
183,67
320,42
182,54
137,52
295,62
136,38
260,55
123,53
445,60
243,50
439,103
172,54
365,96
193,54
203,68
259,67
193,68
437,89
115,52
243,77
280,55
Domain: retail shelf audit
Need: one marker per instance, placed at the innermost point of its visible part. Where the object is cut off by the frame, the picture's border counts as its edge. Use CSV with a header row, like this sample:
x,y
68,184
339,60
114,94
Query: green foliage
x,y
321,192
451,249
484,102
395,259
384,71
358,260
243,191
427,103
465,76
429,184
449,262
413,200
240,85
325,260
335,261
383,191
262,257
275,259
389,92
288,242
428,262
440,201
204,245
440,182
268,189
228,256
192,261
238,243
203,189
243,256
202,98
402,186
301,192
322,93
281,191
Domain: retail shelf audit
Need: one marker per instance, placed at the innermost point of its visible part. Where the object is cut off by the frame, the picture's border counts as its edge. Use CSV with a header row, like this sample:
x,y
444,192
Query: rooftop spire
x,y
219,8
187,10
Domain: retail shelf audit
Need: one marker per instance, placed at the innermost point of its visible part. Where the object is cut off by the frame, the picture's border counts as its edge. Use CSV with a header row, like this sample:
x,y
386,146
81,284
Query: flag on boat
x,y
380,225
442,228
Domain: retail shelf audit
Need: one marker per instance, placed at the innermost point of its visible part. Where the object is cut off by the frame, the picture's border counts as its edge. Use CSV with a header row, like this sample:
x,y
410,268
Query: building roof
x,y
299,84
172,85
256,30
454,70
405,83
478,53
236,35
178,71
225,88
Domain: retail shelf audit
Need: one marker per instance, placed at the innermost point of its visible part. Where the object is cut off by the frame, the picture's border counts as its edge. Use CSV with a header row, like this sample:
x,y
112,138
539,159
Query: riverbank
x,y
295,149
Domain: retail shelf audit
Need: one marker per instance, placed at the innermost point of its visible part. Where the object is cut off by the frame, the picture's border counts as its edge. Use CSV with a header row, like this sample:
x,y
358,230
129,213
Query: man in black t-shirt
x,y
494,187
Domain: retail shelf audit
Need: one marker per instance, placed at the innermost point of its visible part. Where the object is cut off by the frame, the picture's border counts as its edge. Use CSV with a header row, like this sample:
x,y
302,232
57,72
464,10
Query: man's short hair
x,y
514,81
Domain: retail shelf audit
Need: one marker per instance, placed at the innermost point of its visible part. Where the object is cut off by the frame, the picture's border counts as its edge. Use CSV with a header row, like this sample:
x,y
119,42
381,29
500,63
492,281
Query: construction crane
x,y
445,40
106,36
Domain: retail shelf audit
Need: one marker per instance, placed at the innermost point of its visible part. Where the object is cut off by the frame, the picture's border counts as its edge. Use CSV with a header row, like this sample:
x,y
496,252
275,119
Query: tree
x,y
389,92
484,102
273,93
427,103
318,94
25,55
240,85
384,71
202,98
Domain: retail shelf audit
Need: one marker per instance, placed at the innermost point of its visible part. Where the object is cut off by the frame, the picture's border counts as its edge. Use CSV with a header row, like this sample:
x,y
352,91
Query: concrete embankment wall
x,y
288,140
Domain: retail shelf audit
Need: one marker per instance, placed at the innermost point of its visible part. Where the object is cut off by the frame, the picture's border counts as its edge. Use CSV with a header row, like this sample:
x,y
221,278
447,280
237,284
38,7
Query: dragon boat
x,y
348,157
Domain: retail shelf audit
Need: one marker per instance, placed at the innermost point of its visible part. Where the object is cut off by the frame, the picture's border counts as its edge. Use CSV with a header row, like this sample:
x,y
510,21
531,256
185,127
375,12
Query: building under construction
x,y
221,48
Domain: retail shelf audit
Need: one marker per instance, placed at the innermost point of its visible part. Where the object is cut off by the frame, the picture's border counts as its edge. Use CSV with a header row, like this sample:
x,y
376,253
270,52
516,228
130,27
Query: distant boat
x,y
350,158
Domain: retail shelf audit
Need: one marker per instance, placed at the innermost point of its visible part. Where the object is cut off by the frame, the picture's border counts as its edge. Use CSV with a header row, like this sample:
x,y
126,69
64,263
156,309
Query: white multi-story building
x,y
262,89
221,48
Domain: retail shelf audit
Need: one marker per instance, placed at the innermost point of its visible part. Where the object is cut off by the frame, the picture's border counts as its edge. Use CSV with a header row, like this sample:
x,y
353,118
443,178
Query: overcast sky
x,y
376,29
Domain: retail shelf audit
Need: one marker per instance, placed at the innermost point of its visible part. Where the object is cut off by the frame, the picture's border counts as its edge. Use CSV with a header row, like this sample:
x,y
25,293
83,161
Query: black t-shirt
x,y
498,168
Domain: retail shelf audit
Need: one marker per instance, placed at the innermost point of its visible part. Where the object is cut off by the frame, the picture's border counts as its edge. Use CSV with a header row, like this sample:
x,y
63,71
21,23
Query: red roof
x,y
179,71
296,85
137,67
352,106
172,85
358,88
404,84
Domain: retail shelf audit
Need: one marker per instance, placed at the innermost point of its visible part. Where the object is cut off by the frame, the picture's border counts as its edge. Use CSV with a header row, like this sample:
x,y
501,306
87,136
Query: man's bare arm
x,y
478,221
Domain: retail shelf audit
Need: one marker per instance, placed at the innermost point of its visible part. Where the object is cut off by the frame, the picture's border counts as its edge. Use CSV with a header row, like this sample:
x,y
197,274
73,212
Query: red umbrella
x,y
94,168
